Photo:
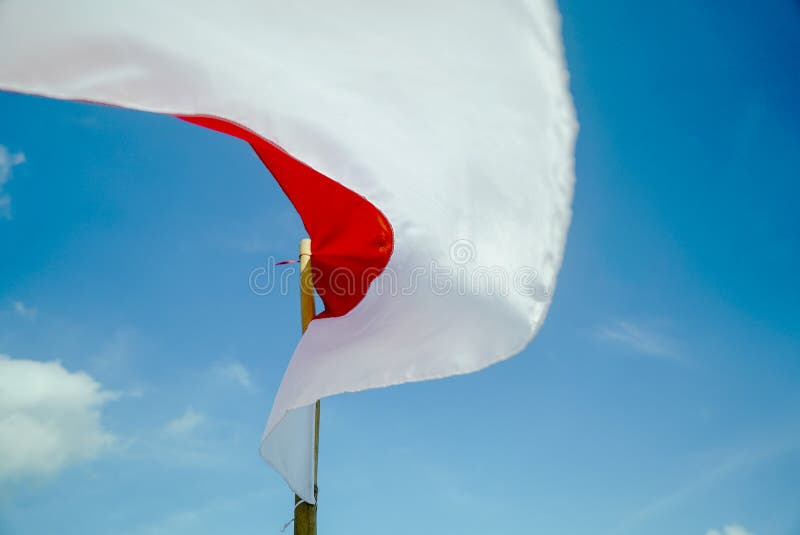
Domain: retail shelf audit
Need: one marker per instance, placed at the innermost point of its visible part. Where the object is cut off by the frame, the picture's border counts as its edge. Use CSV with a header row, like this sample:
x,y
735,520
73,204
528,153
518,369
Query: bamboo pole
x,y
305,514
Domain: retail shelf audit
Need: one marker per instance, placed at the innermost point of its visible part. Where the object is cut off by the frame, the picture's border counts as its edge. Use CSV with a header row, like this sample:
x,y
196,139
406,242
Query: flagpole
x,y
305,514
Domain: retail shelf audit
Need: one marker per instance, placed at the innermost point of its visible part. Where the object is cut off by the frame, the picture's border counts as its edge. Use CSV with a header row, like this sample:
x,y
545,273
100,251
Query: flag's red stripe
x,y
351,239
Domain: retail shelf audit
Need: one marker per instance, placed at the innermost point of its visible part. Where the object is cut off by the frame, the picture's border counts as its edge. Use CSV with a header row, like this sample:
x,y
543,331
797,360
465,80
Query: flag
x,y
426,144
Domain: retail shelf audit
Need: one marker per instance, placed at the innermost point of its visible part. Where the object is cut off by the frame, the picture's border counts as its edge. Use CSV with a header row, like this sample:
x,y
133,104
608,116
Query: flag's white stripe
x,y
452,117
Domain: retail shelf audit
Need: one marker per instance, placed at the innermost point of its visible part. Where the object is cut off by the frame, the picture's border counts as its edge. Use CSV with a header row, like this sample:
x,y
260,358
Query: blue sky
x,y
661,396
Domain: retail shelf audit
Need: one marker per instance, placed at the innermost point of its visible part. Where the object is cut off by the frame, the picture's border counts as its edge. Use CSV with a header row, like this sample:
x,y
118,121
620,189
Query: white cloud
x,y
23,310
729,530
49,418
235,372
7,161
185,423
641,340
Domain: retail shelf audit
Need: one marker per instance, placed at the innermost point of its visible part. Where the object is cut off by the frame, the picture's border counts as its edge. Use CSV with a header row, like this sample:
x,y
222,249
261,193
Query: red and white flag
x,y
427,145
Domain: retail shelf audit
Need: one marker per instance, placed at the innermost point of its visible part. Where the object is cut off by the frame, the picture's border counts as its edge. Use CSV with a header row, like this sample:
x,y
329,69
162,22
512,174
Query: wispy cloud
x,y
234,372
732,529
185,424
640,340
264,235
49,418
738,461
21,309
7,161
117,352
215,516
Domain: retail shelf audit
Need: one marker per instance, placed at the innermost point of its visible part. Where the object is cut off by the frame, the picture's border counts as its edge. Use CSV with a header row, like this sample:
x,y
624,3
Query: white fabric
x,y
453,117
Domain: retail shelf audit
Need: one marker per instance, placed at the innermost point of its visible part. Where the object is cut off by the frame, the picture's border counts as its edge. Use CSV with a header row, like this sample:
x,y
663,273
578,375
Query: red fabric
x,y
351,240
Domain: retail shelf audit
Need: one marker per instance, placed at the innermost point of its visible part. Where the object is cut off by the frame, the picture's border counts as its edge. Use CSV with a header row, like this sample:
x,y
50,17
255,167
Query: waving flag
x,y
426,144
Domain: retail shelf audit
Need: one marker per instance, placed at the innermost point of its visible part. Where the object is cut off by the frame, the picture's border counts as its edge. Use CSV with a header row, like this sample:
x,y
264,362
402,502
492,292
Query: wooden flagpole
x,y
305,514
